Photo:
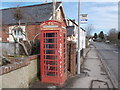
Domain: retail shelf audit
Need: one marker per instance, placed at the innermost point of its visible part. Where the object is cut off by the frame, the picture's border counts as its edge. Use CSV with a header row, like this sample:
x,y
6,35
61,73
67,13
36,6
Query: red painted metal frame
x,y
60,67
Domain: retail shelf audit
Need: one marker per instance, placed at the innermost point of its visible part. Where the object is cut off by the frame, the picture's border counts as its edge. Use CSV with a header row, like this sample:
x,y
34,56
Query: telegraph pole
x,y
54,7
78,54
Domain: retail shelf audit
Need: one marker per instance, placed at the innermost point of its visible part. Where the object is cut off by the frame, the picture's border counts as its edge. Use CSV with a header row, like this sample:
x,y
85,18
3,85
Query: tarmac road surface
x,y
109,54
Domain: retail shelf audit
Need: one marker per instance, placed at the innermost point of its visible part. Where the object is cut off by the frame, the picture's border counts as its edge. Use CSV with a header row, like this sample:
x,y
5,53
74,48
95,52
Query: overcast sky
x,y
102,15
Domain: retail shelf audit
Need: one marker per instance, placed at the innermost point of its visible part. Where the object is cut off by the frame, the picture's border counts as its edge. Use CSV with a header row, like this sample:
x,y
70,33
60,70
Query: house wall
x,y
82,37
59,15
70,23
5,29
7,44
31,30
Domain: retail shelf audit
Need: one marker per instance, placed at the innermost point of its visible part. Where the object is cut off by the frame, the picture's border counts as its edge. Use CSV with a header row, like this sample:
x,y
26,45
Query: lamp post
x,y
78,54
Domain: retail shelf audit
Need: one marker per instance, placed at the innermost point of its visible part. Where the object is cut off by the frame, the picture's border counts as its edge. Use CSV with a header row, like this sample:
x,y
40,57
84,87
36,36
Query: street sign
x,y
84,18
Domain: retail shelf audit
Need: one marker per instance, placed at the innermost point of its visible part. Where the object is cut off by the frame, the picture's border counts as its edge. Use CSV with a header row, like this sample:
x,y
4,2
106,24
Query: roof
x,y
76,24
83,29
32,14
70,30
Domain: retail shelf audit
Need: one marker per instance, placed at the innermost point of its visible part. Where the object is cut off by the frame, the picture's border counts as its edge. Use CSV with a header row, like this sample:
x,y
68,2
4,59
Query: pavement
x,y
93,75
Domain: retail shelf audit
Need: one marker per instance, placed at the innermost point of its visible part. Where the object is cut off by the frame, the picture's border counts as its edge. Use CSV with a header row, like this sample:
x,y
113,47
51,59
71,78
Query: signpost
x,y
78,54
84,18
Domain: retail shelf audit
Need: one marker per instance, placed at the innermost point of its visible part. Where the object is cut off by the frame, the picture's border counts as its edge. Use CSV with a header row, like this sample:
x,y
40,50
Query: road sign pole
x,y
78,55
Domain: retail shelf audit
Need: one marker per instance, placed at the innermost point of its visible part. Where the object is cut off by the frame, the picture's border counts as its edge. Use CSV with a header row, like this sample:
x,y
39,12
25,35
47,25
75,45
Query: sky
x,y
101,15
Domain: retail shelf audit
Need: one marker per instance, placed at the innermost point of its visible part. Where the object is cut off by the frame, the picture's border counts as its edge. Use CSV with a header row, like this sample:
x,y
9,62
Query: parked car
x,y
107,41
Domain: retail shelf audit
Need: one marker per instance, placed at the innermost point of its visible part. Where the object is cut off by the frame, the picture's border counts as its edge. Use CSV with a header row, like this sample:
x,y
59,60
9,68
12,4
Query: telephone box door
x,y
53,52
50,56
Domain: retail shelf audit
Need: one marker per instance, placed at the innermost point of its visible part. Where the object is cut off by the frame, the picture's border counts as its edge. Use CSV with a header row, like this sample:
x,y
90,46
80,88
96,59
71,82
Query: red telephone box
x,y
53,51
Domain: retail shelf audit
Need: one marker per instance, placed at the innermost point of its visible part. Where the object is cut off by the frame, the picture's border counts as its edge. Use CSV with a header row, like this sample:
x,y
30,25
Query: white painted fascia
x,y
61,5
55,11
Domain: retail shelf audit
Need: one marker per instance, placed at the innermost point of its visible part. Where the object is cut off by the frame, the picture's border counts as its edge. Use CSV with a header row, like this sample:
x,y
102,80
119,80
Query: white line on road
x,y
115,51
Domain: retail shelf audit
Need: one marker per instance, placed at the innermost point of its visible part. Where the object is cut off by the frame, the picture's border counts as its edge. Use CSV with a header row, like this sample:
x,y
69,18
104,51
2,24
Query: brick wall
x,y
59,16
4,35
71,63
32,30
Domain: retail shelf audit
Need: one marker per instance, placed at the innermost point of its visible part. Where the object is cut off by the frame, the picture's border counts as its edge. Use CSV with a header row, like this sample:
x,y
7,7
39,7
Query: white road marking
x,y
115,51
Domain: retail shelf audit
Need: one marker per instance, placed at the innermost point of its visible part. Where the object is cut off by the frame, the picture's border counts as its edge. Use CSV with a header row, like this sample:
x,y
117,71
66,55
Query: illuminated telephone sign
x,y
53,52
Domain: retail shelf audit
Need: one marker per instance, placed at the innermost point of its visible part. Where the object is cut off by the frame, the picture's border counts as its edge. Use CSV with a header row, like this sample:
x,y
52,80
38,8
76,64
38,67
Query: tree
x,y
113,35
89,29
32,45
101,35
18,15
95,36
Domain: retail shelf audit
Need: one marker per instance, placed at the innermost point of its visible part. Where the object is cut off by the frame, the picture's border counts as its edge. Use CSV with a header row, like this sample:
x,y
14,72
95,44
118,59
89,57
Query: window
x,y
17,33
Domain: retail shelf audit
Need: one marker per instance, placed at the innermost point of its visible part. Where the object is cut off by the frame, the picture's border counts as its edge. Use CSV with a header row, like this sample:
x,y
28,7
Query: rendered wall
x,y
21,77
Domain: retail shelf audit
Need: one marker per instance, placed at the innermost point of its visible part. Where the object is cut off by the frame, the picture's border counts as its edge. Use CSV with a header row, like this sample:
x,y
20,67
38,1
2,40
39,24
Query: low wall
x,y
72,57
71,61
19,75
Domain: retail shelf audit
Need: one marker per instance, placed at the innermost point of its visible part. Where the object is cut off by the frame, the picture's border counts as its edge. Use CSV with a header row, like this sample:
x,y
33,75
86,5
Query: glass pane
x,y
51,74
51,34
50,40
50,68
15,32
20,32
51,46
50,52
50,62
51,57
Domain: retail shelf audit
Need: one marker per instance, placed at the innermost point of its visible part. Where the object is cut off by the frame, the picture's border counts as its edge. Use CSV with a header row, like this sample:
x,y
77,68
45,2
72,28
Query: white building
x,y
72,33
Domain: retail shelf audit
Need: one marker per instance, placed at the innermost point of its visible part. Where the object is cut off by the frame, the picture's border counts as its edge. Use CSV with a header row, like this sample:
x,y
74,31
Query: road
x,y
109,53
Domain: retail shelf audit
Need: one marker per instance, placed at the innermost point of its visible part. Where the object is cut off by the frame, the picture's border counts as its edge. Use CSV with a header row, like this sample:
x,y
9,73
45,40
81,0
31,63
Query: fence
x,y
9,49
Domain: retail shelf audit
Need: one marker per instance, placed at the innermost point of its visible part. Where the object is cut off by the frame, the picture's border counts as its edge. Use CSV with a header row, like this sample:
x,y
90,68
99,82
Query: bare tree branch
x,y
89,29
